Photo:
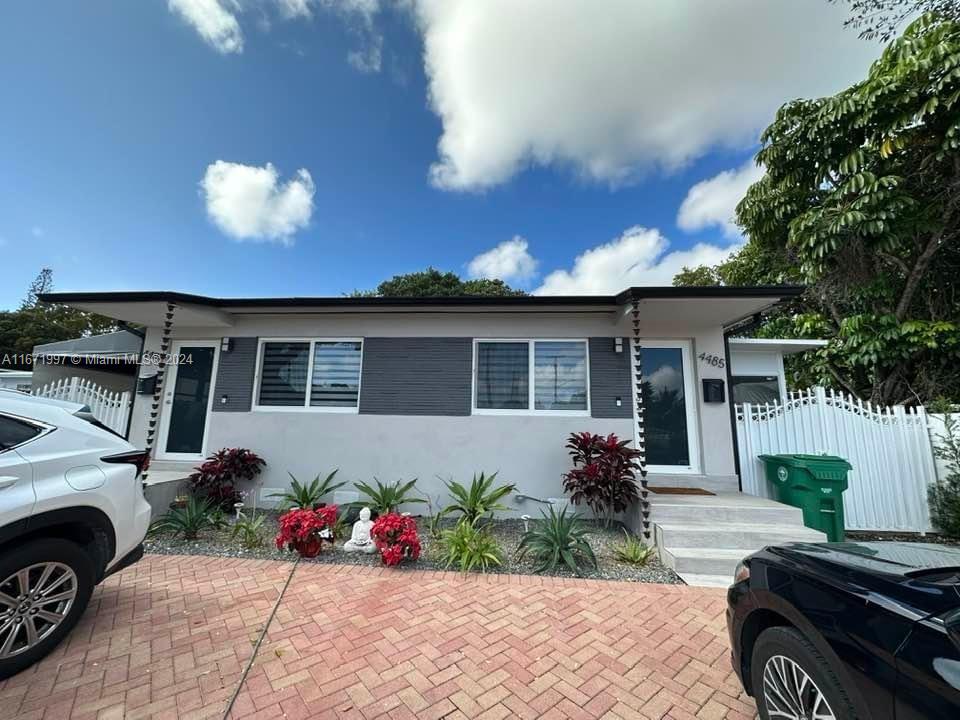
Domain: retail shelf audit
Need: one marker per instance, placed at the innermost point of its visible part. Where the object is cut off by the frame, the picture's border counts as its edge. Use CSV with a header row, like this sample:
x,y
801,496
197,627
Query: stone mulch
x,y
603,540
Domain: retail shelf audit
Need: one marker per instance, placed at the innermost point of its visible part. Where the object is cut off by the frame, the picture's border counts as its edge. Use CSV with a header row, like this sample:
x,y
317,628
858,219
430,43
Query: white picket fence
x,y
888,447
110,407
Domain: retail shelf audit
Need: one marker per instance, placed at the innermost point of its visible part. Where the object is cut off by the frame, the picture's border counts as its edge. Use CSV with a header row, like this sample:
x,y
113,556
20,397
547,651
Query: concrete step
x,y
723,509
702,560
711,581
747,536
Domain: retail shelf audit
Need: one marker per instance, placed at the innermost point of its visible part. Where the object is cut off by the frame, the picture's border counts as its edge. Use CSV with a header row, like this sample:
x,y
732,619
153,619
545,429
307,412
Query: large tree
x,y
861,200
36,323
882,19
434,283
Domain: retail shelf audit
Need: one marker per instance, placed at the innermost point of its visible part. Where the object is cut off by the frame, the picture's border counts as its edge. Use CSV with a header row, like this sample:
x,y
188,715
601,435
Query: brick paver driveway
x,y
174,637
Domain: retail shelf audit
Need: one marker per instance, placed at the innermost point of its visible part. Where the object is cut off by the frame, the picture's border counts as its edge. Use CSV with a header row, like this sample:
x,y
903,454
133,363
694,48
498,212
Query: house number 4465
x,y
712,360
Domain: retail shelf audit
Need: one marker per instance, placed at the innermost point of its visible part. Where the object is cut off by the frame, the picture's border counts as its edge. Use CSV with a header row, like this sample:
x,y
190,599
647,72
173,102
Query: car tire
x,y
777,654
60,580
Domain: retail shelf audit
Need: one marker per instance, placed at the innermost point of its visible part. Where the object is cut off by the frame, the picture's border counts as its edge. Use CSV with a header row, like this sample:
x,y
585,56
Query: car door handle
x,y
7,480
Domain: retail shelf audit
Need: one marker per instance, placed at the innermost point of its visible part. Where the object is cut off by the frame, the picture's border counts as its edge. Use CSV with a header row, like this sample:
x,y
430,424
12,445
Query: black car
x,y
849,630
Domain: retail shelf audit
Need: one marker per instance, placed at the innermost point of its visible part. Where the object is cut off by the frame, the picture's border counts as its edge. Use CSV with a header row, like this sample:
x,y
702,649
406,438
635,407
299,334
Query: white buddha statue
x,y
360,540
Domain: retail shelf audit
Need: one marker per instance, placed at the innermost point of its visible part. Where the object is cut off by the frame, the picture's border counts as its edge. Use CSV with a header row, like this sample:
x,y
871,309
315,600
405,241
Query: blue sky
x,y
465,128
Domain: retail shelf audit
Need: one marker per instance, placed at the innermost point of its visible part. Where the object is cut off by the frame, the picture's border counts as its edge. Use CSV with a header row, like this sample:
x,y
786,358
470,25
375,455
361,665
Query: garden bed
x,y
603,540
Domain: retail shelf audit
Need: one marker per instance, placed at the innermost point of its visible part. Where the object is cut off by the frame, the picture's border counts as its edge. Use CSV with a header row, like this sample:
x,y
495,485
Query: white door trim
x,y
690,400
166,402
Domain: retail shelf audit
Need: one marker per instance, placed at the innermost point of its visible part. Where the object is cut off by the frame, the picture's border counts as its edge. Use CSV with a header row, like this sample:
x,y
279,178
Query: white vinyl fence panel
x,y
109,407
888,447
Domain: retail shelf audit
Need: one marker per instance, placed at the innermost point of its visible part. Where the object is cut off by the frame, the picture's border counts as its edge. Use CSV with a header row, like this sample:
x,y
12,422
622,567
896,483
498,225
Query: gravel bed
x,y
507,532
874,536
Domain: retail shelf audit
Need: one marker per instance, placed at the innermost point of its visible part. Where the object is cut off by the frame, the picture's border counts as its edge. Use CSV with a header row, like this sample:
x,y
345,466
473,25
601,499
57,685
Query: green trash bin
x,y
813,483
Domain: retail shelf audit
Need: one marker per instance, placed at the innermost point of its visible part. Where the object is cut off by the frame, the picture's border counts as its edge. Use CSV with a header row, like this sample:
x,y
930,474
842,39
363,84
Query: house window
x,y
504,369
755,388
310,374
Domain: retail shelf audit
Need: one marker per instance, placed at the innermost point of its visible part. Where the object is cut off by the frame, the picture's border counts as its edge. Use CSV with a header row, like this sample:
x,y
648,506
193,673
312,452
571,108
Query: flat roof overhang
x,y
717,304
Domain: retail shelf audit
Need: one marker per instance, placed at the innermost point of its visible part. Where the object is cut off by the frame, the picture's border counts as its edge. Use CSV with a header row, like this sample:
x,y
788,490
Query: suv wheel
x,y
792,680
45,586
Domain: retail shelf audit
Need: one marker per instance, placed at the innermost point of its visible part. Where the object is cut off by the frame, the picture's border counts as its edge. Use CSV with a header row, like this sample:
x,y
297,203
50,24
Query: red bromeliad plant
x,y
603,474
396,538
304,530
216,479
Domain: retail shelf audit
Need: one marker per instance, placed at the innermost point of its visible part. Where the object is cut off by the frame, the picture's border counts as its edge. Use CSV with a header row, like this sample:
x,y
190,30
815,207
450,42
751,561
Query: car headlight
x,y
742,573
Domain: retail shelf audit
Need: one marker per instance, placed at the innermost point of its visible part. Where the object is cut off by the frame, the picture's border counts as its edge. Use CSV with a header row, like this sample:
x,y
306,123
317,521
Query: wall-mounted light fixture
x,y
225,344
618,344
224,399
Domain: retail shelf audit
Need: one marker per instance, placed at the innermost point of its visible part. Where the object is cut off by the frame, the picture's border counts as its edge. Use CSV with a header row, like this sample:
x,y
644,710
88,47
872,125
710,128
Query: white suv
x,y
71,512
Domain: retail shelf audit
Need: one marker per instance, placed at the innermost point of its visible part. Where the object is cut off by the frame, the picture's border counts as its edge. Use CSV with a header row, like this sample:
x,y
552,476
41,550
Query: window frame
x,y
306,407
531,378
43,428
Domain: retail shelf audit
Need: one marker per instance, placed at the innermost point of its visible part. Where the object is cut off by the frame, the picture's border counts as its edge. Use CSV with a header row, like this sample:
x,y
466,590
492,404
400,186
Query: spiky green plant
x,y
633,551
470,546
558,539
187,521
306,496
248,530
477,500
387,498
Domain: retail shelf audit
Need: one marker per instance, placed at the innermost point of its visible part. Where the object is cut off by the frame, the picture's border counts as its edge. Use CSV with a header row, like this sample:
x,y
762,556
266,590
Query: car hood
x,y
897,558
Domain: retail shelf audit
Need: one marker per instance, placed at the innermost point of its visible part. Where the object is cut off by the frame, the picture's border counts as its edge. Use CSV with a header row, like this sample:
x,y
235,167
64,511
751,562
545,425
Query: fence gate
x,y
889,448
109,407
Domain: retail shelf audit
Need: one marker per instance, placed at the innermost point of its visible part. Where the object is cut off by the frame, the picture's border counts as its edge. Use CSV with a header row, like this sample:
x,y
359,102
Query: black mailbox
x,y
713,390
146,385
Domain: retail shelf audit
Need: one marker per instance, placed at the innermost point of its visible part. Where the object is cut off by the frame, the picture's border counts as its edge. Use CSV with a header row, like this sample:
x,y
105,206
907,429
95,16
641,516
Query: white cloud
x,y
250,203
615,89
638,257
508,261
714,201
214,20
36,231
368,58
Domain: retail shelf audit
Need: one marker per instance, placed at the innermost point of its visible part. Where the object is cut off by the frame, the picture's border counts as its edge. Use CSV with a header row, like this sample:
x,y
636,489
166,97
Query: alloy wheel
x,y
791,694
33,602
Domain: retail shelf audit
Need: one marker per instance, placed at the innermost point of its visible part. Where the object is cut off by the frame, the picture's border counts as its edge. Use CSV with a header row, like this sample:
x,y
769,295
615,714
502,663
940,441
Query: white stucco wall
x,y
527,449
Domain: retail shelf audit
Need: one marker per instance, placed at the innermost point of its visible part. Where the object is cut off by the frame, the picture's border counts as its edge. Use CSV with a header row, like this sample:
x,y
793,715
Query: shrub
x,y
470,545
306,496
603,474
634,551
189,521
944,495
249,531
396,538
558,539
302,525
479,499
385,499
216,479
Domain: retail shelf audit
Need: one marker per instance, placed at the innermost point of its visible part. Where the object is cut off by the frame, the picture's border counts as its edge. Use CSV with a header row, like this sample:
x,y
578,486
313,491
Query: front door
x,y
187,397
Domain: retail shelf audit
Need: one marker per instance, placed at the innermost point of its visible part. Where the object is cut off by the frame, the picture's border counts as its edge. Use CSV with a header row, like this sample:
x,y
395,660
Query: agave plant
x,y
634,551
387,498
470,546
558,539
189,521
479,499
306,496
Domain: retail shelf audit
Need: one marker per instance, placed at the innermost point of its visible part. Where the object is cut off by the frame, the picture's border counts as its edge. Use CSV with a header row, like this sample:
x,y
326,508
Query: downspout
x,y
749,325
641,433
158,385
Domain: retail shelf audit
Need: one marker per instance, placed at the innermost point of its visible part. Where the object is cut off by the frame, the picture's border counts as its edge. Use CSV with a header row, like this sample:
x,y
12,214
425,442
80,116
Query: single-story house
x,y
15,379
108,360
436,388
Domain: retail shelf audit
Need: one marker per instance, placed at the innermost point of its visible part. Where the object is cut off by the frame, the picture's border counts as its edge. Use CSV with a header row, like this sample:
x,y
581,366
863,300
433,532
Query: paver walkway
x,y
173,637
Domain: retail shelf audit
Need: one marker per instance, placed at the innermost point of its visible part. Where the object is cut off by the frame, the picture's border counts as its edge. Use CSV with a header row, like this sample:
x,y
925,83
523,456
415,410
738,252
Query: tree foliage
x,y
434,283
861,201
882,19
36,323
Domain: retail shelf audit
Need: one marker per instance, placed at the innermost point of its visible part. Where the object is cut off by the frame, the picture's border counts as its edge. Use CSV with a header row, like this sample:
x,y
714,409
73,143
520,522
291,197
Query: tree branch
x,y
840,381
916,274
894,260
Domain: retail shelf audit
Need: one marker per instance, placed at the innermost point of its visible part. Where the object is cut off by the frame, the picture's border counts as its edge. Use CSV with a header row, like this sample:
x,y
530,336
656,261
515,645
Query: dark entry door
x,y
187,404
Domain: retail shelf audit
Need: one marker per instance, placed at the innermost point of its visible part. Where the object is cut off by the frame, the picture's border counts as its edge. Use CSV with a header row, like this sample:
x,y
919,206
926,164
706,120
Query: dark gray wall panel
x,y
609,379
416,376
235,375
